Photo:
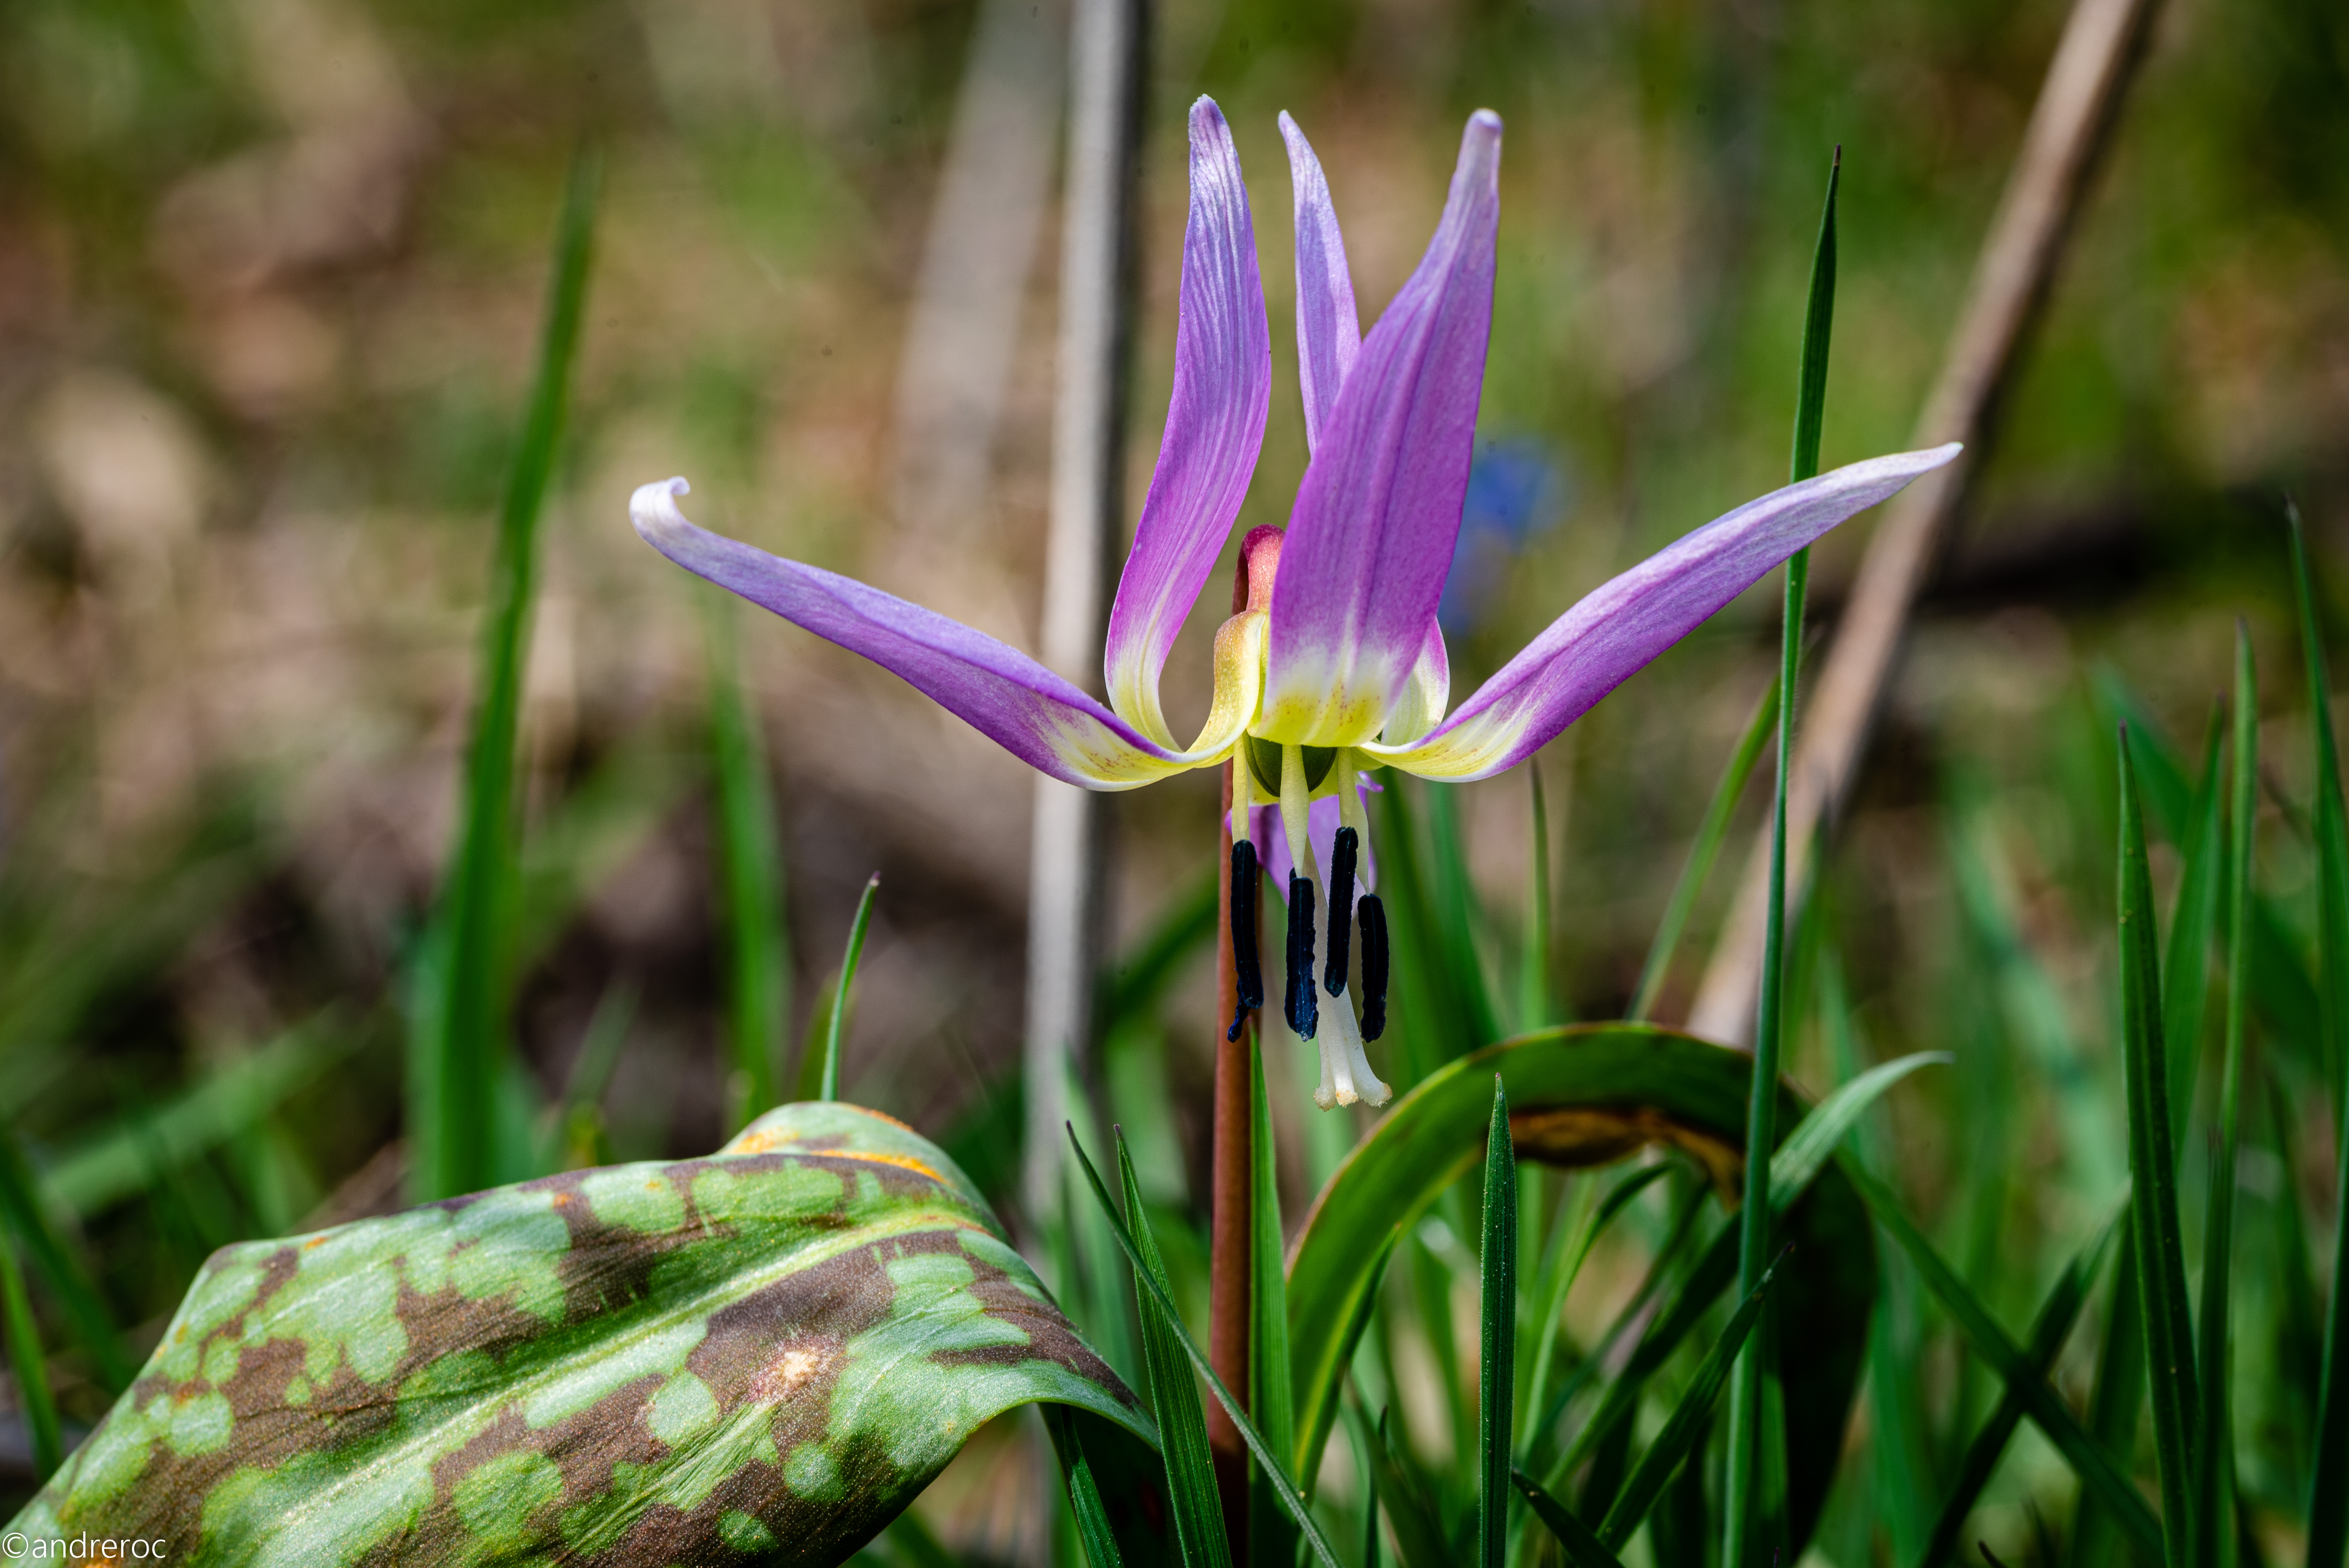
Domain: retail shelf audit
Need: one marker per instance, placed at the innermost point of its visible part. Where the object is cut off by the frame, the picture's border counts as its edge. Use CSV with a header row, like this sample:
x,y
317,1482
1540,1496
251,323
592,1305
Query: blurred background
x,y
271,282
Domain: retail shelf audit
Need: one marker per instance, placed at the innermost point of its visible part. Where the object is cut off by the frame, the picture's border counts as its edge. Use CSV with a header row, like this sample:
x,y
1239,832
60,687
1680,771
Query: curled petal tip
x,y
653,506
1206,116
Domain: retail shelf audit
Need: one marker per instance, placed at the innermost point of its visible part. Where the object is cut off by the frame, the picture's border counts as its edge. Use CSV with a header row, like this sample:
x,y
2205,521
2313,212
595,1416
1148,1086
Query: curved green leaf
x,y
1580,1096
766,1352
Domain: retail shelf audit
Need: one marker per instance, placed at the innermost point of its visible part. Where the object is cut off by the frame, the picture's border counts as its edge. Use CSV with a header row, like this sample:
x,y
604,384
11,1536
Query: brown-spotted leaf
x,y
761,1356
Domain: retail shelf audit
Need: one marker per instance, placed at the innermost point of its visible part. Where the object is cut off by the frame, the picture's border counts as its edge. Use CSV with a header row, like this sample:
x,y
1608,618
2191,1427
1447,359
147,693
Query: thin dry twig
x,y
2078,103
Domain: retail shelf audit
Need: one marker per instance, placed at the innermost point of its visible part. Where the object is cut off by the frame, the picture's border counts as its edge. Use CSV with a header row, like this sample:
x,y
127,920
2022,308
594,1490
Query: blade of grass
x,y
1419,1539
1533,975
1358,1426
457,1056
1497,1373
1460,917
2216,1489
2153,1176
2049,1331
1198,1513
1791,1170
1711,830
32,1367
1557,1280
1093,1531
836,1023
1756,1215
2186,962
1685,1426
1314,1422
1271,1392
21,1210
751,880
1583,1549
2115,1406
2089,1462
1152,1282
2328,1507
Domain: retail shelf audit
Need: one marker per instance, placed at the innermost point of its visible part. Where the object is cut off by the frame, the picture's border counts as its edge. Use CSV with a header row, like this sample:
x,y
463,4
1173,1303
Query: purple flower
x,y
1336,663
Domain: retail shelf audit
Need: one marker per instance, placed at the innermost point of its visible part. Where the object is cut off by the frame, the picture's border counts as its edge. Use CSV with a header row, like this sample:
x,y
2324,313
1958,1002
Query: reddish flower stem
x,y
1233,1160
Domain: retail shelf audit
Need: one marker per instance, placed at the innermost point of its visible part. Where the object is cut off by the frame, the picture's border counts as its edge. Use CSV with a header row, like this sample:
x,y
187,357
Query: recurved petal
x,y
1371,535
1592,648
1329,331
1214,428
1035,714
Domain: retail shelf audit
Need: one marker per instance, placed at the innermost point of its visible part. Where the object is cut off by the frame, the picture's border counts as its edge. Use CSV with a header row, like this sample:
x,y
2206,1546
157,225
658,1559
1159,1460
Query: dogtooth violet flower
x,y
1335,665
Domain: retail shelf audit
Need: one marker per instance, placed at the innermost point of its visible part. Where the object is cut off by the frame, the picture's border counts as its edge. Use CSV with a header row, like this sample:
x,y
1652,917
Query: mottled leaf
x,y
762,1354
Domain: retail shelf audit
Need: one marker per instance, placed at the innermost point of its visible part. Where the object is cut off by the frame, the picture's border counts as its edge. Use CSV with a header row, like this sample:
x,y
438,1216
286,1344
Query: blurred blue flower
x,y
1516,490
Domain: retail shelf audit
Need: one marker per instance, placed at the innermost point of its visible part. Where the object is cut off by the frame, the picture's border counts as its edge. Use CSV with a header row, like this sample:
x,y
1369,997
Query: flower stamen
x,y
1304,1008
1375,966
1247,972
1343,853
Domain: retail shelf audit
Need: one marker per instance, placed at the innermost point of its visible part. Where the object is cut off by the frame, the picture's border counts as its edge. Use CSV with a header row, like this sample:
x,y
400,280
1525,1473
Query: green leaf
x,y
1496,1375
1684,1428
31,1367
2049,1330
1313,1420
1754,1215
1292,1500
1270,1396
1198,1513
2160,1250
1710,834
644,1364
2328,1509
2098,1475
1587,1095
827,1076
749,878
459,1048
2216,1492
1583,1549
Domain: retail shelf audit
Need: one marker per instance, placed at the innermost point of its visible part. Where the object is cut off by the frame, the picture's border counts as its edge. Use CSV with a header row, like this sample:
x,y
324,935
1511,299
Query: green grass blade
x,y
1684,1428
456,1082
32,1366
1583,1549
750,881
1497,1375
1559,1277
836,1021
2216,1490
1152,1283
1419,1538
1095,1534
2049,1331
1271,1392
1533,975
21,1210
2160,1249
2328,1509
1711,830
1314,1418
2115,1406
1791,1170
1460,918
2097,1472
224,1105
1754,1215
2186,961
1359,1426
1198,1513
